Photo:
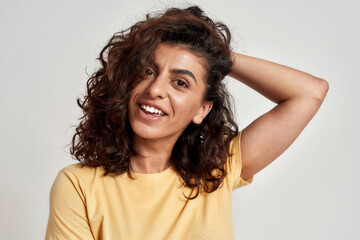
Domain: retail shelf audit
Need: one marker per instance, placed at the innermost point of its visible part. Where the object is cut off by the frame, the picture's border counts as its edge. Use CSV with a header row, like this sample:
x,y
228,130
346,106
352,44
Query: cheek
x,y
186,106
135,92
140,87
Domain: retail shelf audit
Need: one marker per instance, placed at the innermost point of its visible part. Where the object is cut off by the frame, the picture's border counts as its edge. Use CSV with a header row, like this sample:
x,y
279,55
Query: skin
x,y
298,95
175,83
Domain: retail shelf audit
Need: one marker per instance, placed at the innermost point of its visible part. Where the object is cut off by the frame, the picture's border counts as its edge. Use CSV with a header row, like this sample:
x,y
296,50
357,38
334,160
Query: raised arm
x,y
298,95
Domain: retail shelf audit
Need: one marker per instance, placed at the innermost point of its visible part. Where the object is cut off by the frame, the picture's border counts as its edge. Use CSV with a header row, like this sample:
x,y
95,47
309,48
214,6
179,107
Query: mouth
x,y
152,111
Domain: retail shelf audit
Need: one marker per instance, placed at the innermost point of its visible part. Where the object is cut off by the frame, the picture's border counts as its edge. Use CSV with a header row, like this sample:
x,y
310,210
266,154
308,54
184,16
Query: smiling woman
x,y
175,63
159,150
174,91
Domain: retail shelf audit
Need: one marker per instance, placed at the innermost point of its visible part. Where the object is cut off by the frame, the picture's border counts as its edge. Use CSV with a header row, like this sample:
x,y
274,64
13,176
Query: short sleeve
x,y
67,215
235,164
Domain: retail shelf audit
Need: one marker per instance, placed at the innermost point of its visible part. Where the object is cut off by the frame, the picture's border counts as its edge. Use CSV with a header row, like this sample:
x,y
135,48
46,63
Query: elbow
x,y
321,89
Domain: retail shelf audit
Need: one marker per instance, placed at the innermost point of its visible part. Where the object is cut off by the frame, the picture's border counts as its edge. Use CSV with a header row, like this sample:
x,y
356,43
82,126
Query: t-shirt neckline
x,y
147,177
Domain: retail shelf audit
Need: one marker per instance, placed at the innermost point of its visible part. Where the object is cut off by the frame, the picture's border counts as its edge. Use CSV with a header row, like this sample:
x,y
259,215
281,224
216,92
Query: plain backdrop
x,y
310,192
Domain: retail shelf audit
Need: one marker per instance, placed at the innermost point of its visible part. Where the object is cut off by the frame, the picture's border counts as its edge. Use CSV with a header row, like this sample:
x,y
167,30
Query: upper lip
x,y
150,104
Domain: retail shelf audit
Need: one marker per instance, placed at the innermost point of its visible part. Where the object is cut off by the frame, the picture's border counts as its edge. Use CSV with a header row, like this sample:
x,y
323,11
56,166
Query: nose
x,y
158,87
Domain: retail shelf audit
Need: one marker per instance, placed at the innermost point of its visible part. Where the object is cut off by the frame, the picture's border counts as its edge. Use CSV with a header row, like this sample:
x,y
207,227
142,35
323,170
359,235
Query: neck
x,y
151,156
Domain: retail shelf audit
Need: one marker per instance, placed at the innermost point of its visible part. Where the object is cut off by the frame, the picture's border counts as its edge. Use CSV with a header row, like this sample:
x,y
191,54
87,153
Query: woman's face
x,y
171,95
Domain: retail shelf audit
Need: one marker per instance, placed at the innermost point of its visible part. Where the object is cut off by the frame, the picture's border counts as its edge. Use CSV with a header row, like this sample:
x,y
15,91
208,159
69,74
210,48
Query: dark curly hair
x,y
104,135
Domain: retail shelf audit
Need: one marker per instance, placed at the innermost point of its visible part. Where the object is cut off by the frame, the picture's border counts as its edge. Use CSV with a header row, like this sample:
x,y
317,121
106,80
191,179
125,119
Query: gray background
x,y
310,192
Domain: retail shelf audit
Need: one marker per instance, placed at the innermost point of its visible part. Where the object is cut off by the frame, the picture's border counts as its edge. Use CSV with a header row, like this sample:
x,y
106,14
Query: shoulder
x,y
82,172
234,164
77,176
68,204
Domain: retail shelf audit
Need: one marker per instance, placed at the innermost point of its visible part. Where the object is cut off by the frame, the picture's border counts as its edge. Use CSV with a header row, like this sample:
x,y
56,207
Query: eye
x,y
149,72
181,83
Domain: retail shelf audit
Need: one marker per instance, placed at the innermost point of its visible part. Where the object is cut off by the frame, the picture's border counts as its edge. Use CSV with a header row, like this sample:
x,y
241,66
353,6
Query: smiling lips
x,y
152,110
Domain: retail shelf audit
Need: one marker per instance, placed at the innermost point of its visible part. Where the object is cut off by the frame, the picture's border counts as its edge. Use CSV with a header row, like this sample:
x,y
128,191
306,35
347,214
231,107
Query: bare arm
x,y
298,96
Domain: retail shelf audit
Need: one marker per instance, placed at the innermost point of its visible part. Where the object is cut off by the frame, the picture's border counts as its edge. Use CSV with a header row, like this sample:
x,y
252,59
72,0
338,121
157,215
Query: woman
x,y
159,149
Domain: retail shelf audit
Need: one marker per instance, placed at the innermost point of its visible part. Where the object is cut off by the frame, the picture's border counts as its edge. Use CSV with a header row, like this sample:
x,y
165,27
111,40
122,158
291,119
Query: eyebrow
x,y
184,71
177,71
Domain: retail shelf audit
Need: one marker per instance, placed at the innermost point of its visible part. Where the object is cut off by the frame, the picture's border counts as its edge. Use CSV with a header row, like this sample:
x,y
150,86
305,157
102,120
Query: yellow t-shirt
x,y
85,204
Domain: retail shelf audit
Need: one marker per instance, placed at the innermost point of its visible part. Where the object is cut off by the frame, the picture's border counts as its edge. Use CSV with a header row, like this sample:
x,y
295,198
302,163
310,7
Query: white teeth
x,y
152,109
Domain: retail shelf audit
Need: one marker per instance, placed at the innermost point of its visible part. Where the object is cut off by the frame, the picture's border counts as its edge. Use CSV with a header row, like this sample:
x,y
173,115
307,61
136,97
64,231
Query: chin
x,y
146,132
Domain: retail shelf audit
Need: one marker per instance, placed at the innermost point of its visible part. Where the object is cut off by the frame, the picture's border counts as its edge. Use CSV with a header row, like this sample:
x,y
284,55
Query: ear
x,y
204,110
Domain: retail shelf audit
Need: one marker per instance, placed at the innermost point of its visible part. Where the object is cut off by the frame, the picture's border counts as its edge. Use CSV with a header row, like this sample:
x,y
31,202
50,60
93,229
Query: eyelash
x,y
149,72
182,85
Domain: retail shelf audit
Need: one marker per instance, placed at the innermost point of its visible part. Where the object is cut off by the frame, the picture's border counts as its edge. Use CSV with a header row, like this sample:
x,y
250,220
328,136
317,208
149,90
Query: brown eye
x,y
181,83
149,72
